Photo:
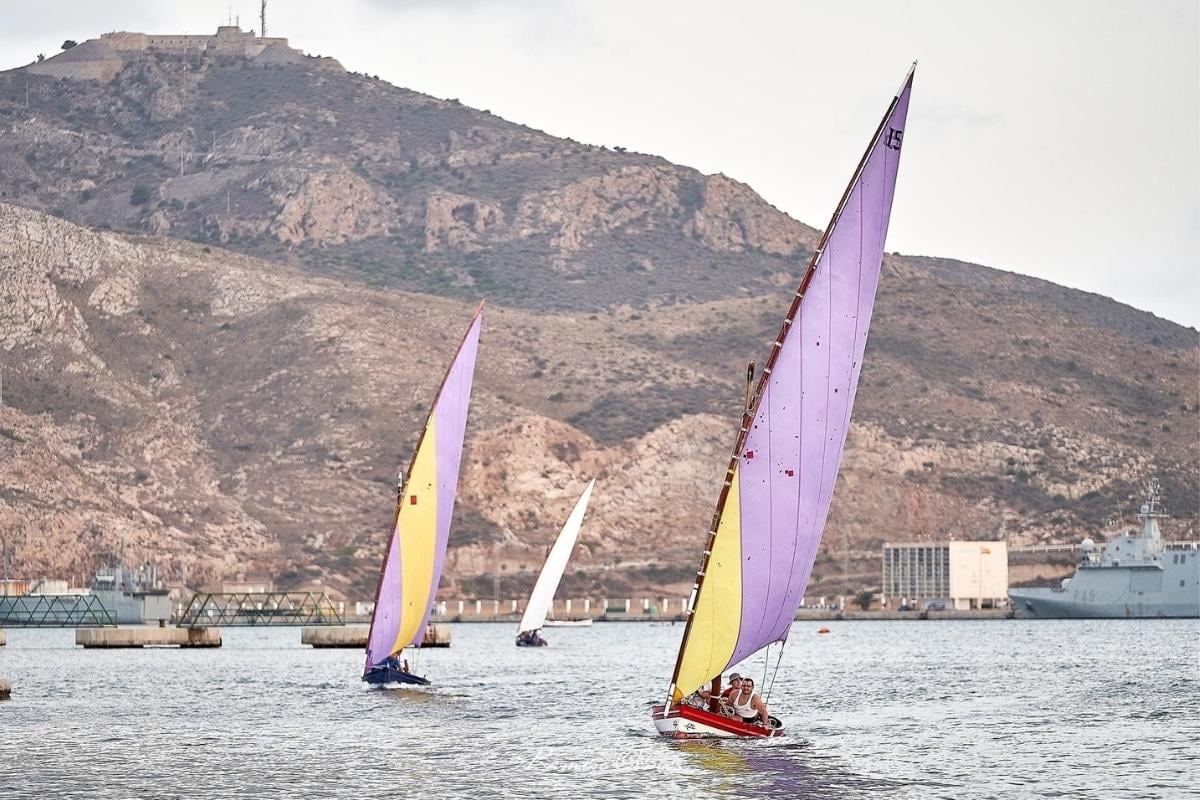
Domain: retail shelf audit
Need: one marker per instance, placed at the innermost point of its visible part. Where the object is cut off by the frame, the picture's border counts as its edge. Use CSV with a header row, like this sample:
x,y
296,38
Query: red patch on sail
x,y
749,454
791,473
412,499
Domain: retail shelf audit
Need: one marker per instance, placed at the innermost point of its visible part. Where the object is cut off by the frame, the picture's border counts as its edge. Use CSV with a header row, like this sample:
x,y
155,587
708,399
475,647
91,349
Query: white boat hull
x,y
685,722
586,622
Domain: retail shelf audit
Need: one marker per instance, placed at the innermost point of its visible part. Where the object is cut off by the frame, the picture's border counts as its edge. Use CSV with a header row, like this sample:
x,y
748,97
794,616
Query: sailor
x,y
710,698
530,639
735,685
718,699
748,705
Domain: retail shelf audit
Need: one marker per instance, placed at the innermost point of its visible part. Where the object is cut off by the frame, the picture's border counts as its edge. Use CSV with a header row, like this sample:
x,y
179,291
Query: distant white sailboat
x,y
542,596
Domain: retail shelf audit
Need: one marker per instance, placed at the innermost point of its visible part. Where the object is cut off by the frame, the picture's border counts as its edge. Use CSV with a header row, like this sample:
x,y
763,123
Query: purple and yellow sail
x,y
412,565
781,477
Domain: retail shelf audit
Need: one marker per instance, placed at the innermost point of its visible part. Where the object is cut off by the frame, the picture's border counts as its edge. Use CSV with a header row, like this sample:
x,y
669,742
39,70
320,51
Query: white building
x,y
963,575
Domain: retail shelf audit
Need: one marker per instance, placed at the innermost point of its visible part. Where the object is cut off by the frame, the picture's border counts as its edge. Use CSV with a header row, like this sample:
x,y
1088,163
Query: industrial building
x,y
962,575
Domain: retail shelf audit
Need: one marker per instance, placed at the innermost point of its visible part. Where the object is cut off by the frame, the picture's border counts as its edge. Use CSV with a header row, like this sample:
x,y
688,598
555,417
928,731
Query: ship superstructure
x,y
1136,574
134,596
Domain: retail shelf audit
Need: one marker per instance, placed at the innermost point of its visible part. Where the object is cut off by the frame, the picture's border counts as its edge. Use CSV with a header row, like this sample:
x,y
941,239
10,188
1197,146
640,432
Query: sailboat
x,y
542,596
412,563
776,493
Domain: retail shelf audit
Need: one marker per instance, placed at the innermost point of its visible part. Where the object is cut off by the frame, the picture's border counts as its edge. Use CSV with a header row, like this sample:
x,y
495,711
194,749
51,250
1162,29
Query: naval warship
x,y
133,596
1134,575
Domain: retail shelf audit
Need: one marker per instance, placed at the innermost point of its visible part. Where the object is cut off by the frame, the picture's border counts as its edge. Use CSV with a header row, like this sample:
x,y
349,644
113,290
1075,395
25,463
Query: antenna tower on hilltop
x,y
262,20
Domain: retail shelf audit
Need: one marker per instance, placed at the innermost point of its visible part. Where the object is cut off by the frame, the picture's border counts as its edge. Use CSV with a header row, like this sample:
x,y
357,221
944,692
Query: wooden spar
x,y
402,479
751,409
749,385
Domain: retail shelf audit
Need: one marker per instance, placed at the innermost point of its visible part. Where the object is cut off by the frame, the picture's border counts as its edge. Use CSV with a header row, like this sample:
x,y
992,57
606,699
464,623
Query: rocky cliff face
x,y
232,381
217,412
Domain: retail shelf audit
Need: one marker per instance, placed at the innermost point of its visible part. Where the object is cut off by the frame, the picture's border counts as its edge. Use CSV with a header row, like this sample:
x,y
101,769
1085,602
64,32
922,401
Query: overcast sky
x,y
1055,139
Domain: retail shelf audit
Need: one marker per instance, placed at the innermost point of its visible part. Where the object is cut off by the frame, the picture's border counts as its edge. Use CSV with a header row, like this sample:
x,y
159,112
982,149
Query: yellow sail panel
x,y
416,527
717,617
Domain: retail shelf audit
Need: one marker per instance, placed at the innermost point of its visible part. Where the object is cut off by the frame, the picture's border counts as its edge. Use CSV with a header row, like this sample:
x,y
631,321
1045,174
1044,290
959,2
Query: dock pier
x,y
674,609
355,636
147,637
335,636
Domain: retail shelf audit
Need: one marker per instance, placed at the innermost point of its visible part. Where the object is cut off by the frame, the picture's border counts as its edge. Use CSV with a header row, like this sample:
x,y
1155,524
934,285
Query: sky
x,y
1055,139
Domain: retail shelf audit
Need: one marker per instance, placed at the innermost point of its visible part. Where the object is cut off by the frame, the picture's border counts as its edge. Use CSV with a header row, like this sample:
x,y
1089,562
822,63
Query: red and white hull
x,y
687,722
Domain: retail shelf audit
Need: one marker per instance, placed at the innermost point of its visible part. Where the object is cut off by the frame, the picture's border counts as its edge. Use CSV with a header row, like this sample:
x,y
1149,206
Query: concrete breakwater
x,y
147,637
824,614
656,608
652,615
335,636
355,636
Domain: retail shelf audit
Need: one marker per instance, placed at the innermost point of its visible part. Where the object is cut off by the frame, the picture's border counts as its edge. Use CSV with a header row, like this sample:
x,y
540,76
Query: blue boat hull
x,y
377,676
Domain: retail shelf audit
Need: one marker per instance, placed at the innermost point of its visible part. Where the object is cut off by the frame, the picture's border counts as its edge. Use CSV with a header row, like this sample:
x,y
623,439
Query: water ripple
x,y
894,710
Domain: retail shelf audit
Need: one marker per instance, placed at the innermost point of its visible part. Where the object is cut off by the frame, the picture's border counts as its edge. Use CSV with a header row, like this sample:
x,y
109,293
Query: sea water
x,y
933,709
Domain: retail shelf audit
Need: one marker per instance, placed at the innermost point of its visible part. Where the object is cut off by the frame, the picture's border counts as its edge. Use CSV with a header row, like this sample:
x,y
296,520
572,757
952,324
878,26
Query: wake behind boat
x,y
776,494
542,596
412,563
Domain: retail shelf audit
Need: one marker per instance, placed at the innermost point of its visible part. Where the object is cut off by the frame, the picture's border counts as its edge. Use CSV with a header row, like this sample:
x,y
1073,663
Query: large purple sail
x,y
772,512
412,566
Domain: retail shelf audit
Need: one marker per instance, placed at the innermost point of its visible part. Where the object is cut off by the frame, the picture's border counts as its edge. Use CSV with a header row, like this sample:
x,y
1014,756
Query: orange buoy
x,y
823,630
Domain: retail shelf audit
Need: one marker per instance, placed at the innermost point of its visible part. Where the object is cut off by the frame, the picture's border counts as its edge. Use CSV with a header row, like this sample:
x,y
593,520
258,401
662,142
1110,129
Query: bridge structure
x,y
247,609
55,611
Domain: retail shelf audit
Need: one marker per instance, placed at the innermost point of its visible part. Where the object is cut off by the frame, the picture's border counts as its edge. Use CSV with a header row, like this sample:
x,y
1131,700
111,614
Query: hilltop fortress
x,y
101,59
229,39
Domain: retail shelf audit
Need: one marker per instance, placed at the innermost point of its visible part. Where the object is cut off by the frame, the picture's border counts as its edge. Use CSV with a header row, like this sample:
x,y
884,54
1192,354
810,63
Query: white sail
x,y
556,563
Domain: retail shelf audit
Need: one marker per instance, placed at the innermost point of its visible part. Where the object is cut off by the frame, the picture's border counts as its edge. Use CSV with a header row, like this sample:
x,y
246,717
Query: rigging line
x,y
775,674
800,445
825,409
766,663
767,415
794,317
781,614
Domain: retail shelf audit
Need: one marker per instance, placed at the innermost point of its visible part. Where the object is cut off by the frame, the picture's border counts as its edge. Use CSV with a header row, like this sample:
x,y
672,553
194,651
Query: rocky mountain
x,y
231,279
348,175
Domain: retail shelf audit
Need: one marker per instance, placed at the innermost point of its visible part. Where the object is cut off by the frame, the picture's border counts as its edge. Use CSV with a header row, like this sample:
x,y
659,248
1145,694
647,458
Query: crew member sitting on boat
x,y
531,639
749,706
718,700
735,686
395,662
